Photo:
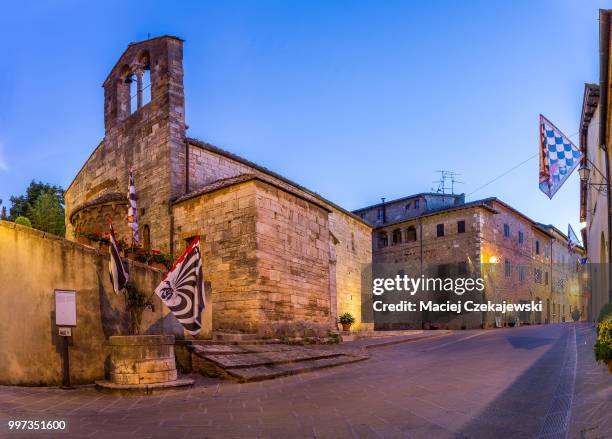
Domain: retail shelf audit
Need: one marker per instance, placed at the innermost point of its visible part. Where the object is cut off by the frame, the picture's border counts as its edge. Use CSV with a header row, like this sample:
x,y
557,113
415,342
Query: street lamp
x,y
585,173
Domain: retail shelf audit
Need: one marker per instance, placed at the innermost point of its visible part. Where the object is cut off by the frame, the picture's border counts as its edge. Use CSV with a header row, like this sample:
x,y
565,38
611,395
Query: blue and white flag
x,y
558,157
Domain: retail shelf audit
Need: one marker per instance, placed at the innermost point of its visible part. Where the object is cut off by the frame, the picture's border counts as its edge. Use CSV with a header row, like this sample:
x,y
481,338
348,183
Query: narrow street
x,y
527,382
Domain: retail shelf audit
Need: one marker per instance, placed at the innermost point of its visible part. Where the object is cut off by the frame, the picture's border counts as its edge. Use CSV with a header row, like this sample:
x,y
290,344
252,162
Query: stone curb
x,y
107,386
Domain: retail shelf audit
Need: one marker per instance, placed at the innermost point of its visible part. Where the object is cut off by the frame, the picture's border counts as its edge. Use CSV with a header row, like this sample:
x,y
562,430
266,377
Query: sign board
x,y
65,308
65,331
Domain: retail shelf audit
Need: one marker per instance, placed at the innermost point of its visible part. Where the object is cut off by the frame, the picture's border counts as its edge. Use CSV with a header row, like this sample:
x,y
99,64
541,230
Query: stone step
x,y
258,373
244,360
239,349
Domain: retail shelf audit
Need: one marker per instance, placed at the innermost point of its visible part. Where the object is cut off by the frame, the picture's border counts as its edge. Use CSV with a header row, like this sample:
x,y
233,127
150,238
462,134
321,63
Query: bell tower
x,y
144,121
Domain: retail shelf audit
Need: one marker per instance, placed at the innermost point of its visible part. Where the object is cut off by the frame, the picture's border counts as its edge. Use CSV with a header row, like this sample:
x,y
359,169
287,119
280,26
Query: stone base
x,y
143,388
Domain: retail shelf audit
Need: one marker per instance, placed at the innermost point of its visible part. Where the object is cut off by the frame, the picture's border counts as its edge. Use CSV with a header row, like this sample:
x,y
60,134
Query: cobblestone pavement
x,y
479,384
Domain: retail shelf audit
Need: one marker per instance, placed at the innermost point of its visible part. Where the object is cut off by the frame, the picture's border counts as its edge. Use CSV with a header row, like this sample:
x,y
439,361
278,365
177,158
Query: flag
x,y
572,238
118,274
558,157
132,217
182,290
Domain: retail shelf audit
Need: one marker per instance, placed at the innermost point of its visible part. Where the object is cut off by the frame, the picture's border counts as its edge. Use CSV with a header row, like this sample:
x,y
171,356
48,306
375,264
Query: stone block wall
x,y
226,221
352,245
266,255
292,257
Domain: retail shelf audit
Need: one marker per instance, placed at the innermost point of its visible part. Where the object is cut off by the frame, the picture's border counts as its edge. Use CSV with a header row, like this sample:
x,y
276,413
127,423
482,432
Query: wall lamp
x,y
585,173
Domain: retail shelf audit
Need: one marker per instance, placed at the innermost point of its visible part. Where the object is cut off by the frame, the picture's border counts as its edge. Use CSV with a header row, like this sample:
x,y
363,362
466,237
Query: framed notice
x,y
65,308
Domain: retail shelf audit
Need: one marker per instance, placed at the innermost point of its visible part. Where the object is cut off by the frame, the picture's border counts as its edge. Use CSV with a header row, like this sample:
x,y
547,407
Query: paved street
x,y
505,383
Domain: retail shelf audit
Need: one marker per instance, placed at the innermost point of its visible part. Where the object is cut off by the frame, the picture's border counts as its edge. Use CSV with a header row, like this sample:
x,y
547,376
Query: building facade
x,y
273,250
517,257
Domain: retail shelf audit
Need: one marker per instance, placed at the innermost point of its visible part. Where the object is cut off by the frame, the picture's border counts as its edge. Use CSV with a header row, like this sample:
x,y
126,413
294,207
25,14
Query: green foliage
x,y
135,305
603,346
22,220
47,214
605,314
22,205
3,215
346,318
576,314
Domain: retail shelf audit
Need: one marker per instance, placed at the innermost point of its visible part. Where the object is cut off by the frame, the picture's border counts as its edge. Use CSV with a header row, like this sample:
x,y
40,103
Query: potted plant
x,y
159,260
576,314
135,305
511,320
104,243
346,320
603,346
82,238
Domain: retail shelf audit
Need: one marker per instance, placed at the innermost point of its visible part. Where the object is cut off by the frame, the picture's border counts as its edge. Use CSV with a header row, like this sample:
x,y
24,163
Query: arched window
x,y
383,239
397,236
146,237
411,234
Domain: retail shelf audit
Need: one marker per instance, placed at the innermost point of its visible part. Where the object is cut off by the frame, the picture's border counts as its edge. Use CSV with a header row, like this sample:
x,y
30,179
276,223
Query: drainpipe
x,y
604,50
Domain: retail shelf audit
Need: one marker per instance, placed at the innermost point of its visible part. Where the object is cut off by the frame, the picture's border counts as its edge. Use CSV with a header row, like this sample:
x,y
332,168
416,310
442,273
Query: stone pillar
x,y
138,88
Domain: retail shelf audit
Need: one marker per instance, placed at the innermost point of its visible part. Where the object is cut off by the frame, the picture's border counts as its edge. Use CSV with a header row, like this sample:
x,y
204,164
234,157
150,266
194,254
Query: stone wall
x,y
352,245
32,266
349,256
293,257
266,254
225,220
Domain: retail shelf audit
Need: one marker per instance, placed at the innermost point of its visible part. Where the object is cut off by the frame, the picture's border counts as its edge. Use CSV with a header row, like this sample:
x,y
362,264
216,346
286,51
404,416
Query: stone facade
x,y
487,237
274,251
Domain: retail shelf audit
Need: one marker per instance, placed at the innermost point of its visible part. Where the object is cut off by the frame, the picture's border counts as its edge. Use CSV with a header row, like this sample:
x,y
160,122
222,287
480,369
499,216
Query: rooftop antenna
x,y
447,177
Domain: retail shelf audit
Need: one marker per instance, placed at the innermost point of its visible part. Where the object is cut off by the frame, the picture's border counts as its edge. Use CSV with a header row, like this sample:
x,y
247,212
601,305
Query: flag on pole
x,y
118,274
572,238
132,217
558,157
182,290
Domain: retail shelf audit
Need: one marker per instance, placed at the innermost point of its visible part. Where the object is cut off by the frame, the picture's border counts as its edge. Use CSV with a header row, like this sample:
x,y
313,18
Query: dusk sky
x,y
354,100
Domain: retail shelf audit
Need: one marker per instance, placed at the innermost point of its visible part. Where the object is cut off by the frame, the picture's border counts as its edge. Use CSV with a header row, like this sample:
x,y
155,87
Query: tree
x,y
47,214
23,221
23,204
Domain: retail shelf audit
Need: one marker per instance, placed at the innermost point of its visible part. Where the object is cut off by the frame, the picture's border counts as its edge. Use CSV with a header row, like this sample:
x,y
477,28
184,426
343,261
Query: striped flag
x,y
182,290
118,274
132,214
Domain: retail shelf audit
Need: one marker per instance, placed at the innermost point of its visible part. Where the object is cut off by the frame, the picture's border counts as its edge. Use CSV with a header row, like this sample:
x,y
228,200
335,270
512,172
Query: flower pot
x,y
81,239
346,327
158,265
104,247
131,255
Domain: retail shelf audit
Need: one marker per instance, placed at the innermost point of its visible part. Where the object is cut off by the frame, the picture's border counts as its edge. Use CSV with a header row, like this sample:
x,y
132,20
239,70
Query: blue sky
x,y
356,100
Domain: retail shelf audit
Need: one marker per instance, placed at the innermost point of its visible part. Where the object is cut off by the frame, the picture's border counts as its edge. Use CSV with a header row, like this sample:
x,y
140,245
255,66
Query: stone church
x,y
273,250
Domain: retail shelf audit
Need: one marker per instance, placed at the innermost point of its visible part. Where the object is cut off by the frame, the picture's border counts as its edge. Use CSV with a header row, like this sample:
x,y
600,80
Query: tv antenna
x,y
447,178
